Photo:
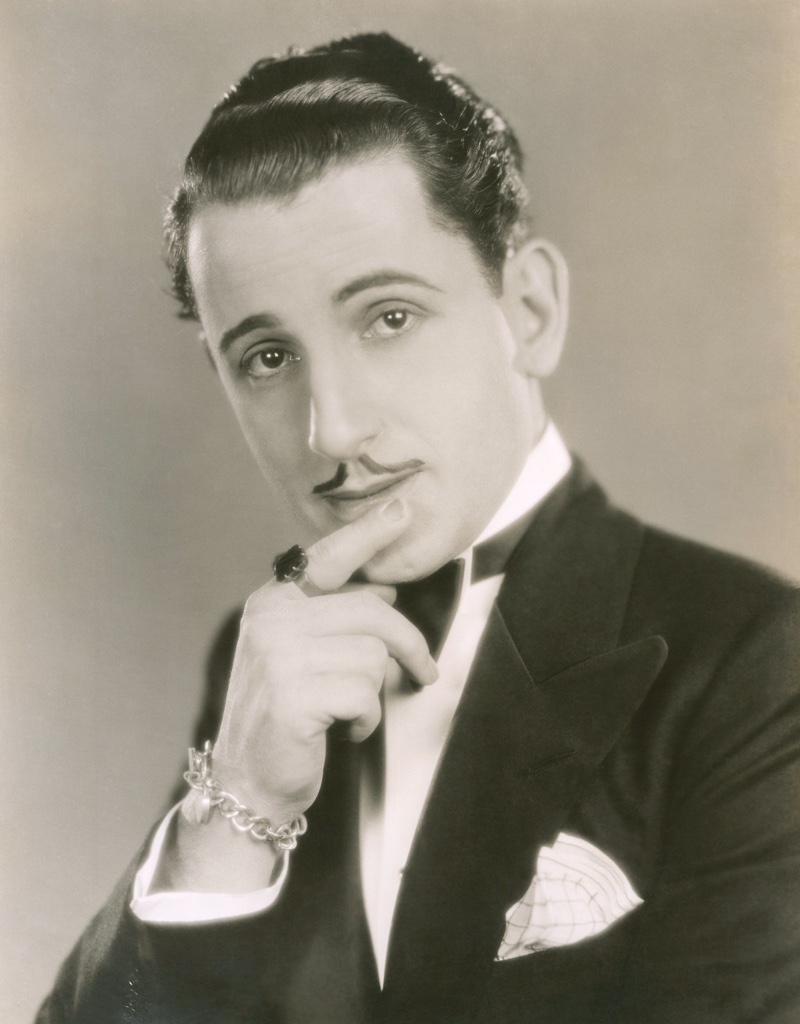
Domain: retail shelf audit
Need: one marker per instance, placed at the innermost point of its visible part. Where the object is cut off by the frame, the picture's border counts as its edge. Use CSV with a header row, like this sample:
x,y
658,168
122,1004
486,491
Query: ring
x,y
290,567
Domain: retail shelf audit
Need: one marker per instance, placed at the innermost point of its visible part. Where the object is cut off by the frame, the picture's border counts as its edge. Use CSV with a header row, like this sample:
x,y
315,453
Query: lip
x,y
350,505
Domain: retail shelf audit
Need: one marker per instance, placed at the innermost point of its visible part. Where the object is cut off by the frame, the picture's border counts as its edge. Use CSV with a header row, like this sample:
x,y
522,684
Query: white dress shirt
x,y
416,724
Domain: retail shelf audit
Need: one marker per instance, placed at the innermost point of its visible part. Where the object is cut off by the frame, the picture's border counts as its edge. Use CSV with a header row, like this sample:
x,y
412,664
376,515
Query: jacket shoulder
x,y
732,627
697,583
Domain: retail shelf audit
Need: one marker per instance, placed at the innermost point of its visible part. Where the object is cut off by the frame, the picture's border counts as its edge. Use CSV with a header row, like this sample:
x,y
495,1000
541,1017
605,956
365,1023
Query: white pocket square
x,y
576,892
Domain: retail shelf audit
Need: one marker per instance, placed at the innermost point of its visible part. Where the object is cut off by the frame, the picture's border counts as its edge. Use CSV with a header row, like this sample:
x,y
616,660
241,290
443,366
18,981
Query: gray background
x,y
663,150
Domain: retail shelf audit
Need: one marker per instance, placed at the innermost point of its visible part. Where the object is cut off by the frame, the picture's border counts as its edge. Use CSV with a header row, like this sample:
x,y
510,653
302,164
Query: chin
x,y
401,563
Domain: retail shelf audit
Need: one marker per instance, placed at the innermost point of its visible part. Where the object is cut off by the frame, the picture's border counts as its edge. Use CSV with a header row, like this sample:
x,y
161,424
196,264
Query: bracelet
x,y
208,794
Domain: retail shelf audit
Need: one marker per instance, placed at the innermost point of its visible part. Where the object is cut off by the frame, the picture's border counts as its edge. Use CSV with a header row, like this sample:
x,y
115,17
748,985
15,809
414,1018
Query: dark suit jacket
x,y
634,689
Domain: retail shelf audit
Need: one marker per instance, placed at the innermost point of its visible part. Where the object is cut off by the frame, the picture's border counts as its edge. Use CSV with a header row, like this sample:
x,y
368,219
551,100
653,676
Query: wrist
x,y
208,794
214,858
274,807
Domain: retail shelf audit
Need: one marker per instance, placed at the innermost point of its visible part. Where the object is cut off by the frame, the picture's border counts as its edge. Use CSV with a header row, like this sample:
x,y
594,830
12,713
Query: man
x,y
576,798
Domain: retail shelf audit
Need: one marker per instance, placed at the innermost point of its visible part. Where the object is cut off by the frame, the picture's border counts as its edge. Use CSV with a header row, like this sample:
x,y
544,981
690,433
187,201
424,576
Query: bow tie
x,y
431,603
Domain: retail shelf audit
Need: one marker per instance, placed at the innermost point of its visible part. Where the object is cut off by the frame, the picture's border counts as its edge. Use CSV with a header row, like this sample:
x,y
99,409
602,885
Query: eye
x,y
392,322
267,361
394,319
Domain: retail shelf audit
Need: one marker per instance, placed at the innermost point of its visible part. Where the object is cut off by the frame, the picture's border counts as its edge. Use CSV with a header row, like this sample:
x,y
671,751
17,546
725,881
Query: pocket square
x,y
576,892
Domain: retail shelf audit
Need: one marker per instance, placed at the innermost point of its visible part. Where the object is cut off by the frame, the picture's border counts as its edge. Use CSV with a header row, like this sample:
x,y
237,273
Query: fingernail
x,y
395,510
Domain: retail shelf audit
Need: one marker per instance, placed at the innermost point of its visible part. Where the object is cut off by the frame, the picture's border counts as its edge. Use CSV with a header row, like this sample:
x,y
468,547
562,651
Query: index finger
x,y
334,559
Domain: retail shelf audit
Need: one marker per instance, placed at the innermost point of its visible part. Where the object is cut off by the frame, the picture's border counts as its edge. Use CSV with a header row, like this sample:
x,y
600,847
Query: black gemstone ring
x,y
290,567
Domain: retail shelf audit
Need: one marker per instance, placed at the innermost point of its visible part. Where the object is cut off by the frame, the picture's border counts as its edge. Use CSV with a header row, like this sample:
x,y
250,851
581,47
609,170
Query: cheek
x,y
275,439
488,431
475,394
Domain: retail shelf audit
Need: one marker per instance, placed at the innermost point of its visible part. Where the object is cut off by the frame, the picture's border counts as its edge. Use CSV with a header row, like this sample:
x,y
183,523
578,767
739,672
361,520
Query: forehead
x,y
356,220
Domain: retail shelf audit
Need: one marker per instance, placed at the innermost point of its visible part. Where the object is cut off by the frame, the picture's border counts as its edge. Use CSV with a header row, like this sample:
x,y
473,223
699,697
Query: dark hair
x,y
293,116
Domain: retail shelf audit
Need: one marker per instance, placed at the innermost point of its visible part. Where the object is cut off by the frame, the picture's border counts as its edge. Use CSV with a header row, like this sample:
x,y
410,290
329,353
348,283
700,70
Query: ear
x,y
535,301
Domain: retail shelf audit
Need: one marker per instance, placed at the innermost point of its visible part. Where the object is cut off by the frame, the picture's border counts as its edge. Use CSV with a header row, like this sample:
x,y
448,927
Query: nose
x,y
344,416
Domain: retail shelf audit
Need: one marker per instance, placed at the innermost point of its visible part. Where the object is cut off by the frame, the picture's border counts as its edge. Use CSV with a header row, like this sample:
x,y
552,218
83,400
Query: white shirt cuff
x,y
194,907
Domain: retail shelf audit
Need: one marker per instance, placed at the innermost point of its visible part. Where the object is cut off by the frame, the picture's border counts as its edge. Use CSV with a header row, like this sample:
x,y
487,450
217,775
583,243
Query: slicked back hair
x,y
294,116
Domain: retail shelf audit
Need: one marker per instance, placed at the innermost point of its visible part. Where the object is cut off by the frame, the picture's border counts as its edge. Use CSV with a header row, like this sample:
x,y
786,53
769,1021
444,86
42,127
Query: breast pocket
x,y
573,984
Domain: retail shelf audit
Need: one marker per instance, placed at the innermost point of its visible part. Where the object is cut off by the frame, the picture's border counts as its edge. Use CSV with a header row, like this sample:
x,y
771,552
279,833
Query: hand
x,y
303,663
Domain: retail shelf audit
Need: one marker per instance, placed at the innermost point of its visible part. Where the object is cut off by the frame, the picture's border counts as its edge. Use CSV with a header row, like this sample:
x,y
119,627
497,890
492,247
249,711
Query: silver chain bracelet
x,y
208,794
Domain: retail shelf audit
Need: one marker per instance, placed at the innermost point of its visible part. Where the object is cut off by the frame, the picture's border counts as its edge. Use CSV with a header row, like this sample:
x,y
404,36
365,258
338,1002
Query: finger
x,y
365,725
355,614
334,559
355,702
344,656
363,614
264,598
385,593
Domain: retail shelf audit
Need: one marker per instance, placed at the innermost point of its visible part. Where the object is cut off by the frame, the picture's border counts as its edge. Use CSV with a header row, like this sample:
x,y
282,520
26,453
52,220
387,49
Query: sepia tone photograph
x,y
400,546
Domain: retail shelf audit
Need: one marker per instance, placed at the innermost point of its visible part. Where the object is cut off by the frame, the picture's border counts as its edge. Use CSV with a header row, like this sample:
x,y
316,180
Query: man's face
x,y
366,358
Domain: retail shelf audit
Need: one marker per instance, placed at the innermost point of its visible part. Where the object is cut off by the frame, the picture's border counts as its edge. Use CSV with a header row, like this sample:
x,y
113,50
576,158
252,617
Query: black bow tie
x,y
430,603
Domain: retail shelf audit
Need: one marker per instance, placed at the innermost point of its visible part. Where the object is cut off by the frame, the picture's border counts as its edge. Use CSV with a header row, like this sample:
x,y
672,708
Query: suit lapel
x,y
549,694
330,973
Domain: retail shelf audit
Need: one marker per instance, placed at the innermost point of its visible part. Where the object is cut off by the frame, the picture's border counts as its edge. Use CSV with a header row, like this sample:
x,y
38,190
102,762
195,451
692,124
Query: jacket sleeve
x,y
719,939
125,970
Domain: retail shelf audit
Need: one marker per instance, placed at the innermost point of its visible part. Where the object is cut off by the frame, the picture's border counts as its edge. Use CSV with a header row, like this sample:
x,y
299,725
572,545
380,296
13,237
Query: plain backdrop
x,y
663,146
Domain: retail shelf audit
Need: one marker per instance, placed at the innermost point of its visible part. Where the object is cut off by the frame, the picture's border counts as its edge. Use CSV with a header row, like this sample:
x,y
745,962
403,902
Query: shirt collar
x,y
547,464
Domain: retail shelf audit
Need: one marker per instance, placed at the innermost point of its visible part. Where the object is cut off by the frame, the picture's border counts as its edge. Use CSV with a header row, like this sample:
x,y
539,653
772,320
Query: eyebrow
x,y
250,323
376,280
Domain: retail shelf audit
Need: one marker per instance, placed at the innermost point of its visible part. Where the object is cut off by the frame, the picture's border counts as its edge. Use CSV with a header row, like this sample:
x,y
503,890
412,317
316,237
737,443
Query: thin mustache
x,y
369,464
334,482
